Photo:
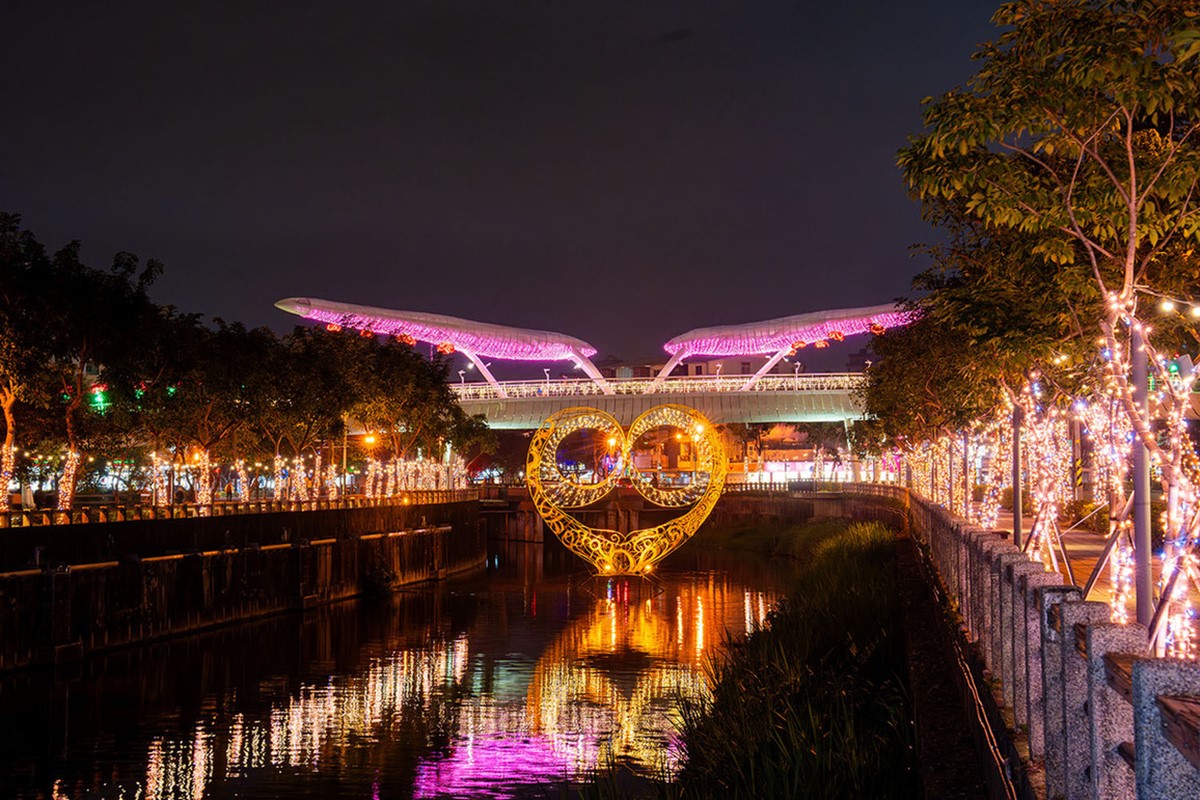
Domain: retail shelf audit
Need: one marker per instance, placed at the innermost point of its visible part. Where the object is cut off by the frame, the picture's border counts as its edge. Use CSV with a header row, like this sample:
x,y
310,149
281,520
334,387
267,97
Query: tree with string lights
x,y
1081,131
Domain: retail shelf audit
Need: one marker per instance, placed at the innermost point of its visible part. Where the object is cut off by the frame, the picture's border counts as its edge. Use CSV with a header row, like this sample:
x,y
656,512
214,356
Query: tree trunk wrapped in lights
x,y
160,492
204,479
1048,445
66,484
7,460
389,469
371,487
280,487
1106,424
1079,133
317,477
332,491
243,480
994,442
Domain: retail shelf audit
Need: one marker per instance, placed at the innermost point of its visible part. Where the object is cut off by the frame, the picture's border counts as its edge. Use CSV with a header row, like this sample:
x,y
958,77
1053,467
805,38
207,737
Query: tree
x,y
24,317
58,318
406,398
308,389
93,319
990,312
920,387
1079,131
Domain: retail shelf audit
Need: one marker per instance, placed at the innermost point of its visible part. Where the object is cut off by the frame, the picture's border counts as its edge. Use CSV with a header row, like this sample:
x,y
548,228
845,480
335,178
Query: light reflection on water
x,y
486,686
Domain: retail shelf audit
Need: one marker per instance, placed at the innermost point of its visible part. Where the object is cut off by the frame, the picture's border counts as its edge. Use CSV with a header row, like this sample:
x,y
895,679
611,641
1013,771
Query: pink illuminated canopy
x,y
477,338
776,335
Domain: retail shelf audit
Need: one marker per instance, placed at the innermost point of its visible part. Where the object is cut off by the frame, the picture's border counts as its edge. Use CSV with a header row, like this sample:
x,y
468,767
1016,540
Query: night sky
x,y
618,171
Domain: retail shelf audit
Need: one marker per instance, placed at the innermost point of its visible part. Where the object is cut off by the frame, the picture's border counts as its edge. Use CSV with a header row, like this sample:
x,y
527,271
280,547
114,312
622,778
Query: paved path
x,y
1084,549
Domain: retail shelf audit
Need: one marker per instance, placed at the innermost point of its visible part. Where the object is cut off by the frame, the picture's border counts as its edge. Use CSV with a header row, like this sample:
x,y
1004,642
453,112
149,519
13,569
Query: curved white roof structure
x,y
473,339
772,335
780,336
477,340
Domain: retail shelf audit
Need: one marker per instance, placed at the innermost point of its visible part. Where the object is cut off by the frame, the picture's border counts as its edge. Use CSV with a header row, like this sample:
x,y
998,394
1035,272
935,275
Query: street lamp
x,y
462,377
695,459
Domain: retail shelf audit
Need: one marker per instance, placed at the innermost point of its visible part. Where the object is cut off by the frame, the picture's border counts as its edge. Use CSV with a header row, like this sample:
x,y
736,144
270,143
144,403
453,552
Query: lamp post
x,y
369,443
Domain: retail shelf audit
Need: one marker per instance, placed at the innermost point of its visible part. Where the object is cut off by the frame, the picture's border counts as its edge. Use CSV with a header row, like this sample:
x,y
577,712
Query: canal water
x,y
509,682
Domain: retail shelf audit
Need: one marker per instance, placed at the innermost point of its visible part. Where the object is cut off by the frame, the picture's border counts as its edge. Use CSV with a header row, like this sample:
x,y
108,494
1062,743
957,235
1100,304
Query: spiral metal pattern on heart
x,y
613,552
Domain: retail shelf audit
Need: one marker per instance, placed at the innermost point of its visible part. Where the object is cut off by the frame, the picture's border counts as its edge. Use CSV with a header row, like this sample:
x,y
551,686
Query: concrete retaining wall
x,y
60,612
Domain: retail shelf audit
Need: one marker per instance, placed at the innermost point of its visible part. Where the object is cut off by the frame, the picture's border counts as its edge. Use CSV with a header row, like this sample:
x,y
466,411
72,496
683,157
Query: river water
x,y
509,682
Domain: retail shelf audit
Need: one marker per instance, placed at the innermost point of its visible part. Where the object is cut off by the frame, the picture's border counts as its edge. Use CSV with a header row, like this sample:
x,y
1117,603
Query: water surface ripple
x,y
506,683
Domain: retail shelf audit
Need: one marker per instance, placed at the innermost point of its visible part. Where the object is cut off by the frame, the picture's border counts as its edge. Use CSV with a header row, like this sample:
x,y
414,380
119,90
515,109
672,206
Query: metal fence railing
x,y
567,387
84,514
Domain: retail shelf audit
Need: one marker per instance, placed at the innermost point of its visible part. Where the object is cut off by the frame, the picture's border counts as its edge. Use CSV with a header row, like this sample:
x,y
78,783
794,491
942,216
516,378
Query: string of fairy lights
x,y
1059,435
165,477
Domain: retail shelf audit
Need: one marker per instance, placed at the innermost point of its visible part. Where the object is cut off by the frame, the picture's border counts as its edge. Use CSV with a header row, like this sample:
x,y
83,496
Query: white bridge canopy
x,y
475,340
478,340
781,336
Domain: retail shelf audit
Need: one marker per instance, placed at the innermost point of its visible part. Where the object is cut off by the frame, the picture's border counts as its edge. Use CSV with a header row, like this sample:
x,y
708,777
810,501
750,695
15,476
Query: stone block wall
x,y
1089,712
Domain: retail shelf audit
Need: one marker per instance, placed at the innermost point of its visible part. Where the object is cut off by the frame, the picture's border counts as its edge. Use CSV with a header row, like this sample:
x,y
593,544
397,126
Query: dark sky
x,y
619,171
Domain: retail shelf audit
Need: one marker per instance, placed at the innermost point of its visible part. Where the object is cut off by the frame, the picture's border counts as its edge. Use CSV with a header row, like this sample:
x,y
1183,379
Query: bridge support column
x,y
486,373
767,367
589,368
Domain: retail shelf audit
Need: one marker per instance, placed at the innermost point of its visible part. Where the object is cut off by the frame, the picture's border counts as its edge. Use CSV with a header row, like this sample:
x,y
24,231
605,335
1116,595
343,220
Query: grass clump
x,y
814,704
770,537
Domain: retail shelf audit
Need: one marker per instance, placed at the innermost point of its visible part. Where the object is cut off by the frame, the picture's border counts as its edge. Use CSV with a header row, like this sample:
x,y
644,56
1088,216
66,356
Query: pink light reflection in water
x,y
495,765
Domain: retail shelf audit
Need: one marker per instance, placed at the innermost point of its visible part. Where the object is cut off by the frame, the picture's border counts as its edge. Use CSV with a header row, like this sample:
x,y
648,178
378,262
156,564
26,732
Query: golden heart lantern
x,y
614,552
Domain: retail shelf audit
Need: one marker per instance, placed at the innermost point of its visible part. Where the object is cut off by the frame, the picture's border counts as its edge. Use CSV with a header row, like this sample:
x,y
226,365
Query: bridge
x,y
755,398
522,405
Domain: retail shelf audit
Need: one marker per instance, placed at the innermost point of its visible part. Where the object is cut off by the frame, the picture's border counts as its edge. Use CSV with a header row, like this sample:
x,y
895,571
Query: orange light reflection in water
x,y
605,684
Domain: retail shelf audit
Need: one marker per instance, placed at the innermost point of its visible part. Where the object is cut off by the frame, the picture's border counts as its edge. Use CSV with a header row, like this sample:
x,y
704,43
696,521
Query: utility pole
x,y
950,474
1016,475
1142,555
966,470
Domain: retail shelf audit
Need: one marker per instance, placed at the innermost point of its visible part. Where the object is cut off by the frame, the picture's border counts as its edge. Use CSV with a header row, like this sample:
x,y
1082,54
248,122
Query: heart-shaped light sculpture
x,y
614,552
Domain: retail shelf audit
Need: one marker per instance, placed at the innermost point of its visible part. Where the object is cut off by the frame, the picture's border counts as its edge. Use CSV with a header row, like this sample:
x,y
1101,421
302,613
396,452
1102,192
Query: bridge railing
x,y
84,514
694,384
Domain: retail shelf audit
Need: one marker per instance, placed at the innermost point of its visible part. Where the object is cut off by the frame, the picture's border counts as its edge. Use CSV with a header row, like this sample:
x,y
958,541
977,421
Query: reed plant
x,y
813,704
